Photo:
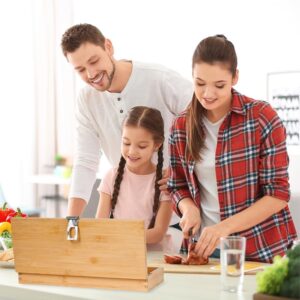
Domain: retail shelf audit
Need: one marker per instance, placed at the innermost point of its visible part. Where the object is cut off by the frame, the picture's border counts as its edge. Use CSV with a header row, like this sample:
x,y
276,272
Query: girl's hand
x,y
209,239
190,220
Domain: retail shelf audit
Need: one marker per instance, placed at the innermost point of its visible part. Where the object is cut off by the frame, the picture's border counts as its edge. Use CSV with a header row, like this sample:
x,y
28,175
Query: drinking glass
x,y
232,263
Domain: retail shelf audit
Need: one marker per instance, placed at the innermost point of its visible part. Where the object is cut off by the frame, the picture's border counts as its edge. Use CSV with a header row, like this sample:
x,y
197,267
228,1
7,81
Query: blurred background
x,y
38,86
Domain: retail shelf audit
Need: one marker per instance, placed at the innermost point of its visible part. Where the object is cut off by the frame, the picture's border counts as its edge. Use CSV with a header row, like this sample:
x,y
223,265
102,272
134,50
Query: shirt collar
x,y
238,103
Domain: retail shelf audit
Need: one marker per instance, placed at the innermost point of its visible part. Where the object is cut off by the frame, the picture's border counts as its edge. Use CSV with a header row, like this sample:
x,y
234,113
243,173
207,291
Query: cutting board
x,y
213,267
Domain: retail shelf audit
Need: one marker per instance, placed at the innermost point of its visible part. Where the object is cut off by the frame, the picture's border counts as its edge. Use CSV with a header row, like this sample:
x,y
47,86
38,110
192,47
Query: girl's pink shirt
x,y
136,195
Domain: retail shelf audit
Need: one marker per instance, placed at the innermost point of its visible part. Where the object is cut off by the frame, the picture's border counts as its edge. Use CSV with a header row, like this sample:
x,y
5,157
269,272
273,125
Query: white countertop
x,y
175,286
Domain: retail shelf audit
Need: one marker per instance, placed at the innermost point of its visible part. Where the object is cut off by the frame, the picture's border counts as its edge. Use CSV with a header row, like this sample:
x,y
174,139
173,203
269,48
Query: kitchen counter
x,y
175,286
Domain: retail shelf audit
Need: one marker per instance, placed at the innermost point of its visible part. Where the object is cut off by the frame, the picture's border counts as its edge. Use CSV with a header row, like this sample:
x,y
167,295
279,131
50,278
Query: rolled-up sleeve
x,y
177,183
274,161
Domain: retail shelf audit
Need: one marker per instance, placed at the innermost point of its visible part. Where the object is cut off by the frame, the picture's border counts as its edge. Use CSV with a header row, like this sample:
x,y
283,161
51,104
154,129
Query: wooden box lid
x,y
106,248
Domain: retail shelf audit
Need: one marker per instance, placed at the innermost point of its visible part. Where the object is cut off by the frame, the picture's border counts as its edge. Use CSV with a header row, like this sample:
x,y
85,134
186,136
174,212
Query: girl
x,y
229,161
132,191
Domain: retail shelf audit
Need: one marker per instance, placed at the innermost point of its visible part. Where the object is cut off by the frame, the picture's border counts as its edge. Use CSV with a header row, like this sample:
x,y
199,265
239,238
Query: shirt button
x,y
119,99
121,111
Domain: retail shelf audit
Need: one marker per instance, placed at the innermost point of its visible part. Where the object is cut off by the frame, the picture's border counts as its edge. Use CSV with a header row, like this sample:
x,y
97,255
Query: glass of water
x,y
232,263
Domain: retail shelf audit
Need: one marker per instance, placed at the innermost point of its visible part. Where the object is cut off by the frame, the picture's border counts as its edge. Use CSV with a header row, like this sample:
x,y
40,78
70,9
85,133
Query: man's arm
x,y
178,92
82,183
86,160
76,206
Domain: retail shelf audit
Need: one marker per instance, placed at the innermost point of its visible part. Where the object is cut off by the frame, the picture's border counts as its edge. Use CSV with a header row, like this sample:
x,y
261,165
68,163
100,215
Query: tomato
x,y
15,214
4,212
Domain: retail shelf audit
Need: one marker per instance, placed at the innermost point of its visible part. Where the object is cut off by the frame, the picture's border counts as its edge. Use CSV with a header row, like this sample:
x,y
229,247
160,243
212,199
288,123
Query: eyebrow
x,y
219,81
92,58
89,60
140,142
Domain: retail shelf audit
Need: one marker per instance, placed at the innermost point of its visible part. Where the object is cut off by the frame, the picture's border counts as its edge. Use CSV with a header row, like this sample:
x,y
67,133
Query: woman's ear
x,y
109,48
235,79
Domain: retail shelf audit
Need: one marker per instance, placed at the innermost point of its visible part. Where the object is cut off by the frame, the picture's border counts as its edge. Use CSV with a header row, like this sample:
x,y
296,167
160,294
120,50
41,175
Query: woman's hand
x,y
209,239
190,217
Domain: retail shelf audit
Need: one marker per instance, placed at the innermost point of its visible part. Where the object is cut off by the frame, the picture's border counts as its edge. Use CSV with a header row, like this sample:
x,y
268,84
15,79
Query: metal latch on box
x,y
72,230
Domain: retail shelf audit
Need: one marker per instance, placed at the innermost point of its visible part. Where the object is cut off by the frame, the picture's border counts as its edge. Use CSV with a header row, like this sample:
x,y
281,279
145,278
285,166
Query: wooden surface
x,y
213,267
106,248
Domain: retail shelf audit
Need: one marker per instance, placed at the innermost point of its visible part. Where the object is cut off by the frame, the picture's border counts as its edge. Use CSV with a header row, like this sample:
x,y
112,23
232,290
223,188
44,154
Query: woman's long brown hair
x,y
212,50
151,120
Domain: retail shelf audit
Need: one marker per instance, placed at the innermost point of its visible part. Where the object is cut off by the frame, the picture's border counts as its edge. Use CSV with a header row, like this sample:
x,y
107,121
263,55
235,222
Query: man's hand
x,y
76,206
163,186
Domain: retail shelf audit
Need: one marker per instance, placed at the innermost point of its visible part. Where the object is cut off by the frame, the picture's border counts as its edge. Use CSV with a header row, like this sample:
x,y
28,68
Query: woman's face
x,y
212,85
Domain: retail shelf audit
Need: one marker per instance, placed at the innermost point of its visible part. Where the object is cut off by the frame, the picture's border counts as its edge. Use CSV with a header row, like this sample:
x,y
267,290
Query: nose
x,y
132,150
91,73
207,92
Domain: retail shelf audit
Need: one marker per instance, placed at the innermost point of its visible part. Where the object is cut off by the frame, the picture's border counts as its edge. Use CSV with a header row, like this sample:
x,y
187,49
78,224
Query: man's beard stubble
x,y
111,75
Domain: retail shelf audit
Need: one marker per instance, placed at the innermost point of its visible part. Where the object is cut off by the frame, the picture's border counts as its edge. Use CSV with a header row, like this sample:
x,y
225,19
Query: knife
x,y
189,243
192,237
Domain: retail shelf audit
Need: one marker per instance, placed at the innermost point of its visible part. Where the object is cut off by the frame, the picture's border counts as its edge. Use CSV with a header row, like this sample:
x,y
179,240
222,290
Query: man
x,y
113,87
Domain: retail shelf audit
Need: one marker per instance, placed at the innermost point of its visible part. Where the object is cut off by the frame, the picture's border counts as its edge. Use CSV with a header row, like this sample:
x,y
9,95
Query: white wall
x,y
16,99
265,33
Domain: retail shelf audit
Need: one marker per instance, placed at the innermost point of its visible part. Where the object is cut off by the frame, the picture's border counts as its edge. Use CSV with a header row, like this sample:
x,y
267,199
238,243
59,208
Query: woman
x,y
229,161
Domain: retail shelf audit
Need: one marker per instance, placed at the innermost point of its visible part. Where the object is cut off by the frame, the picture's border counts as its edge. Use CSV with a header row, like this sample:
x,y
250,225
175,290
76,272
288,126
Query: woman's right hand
x,y
190,217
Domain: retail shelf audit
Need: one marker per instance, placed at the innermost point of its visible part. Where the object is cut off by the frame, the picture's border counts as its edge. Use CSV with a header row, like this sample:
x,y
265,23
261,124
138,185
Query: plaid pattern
x,y
251,162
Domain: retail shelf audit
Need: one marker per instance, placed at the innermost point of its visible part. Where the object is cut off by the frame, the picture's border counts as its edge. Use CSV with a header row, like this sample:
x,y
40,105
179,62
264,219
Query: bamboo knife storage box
x,y
108,253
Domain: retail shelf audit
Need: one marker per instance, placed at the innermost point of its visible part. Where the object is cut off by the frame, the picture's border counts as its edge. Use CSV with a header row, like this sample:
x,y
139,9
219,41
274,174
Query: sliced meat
x,y
173,259
192,258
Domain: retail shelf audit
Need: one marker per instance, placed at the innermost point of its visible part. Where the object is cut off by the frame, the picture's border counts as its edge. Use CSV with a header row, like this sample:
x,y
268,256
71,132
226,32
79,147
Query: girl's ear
x,y
235,79
157,146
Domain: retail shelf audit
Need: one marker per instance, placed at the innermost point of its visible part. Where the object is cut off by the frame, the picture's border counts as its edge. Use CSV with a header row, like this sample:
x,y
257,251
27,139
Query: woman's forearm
x,y
253,215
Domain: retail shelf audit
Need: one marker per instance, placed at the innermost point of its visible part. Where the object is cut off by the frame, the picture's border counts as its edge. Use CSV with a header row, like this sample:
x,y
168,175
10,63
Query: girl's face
x,y
212,85
137,149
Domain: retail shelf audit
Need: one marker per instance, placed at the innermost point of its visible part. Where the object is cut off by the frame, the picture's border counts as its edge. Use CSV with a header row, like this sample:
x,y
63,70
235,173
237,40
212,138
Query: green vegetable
x,y
291,284
6,234
294,268
294,253
7,238
291,288
282,278
269,281
8,242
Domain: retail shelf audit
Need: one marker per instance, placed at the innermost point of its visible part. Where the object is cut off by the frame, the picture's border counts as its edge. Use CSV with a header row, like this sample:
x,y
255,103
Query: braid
x,y
158,177
117,184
